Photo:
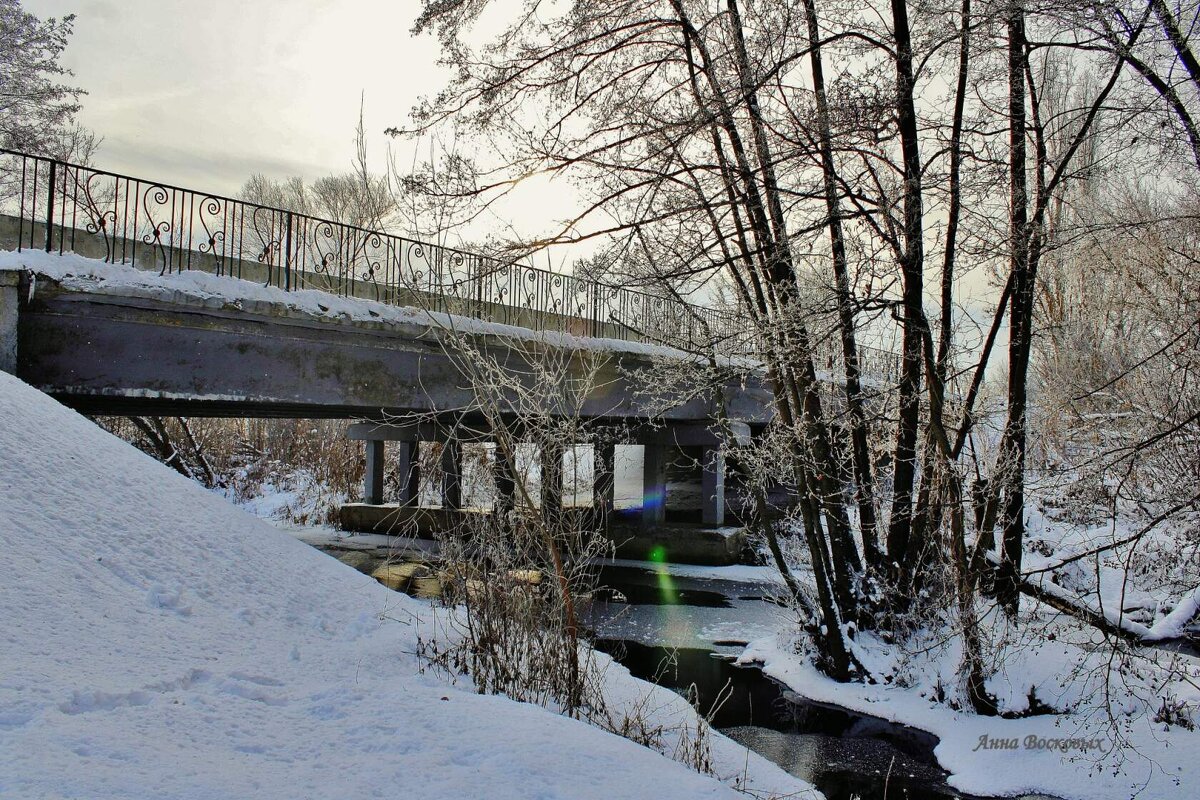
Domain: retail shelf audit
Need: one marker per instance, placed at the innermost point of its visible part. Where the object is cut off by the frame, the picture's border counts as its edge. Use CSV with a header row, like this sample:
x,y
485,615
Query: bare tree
x,y
37,110
811,165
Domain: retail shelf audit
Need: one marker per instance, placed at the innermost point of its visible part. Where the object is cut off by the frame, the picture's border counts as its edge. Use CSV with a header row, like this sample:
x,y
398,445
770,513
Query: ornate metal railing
x,y
153,225
61,207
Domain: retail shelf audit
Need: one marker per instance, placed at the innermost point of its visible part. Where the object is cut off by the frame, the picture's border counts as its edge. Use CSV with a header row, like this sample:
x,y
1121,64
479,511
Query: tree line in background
x,y
304,468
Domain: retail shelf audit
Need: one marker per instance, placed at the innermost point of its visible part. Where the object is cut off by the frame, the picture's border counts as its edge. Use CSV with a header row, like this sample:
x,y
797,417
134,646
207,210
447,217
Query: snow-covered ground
x,y
1081,754
1151,591
158,642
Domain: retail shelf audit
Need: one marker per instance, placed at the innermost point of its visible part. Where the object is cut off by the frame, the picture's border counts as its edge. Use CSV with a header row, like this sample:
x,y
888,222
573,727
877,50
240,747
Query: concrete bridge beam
x,y
422,431
141,350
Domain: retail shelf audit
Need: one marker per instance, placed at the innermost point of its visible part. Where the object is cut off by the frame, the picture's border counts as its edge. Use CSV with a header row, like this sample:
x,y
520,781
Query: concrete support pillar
x,y
373,476
452,474
712,486
551,455
10,285
604,469
410,476
654,485
505,475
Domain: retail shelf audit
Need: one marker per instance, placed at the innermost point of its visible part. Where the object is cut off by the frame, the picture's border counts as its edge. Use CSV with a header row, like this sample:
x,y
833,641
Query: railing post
x,y
21,213
595,320
50,208
287,256
475,274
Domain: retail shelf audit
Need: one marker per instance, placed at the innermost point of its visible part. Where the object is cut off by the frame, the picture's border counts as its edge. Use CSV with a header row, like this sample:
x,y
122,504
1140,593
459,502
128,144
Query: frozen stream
x,y
681,626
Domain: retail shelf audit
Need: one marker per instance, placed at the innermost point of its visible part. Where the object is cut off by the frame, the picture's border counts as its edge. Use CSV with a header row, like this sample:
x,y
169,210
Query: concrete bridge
x,y
116,347
180,335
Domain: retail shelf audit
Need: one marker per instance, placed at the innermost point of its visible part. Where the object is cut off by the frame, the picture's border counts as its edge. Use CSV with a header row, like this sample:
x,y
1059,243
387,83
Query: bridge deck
x,y
109,339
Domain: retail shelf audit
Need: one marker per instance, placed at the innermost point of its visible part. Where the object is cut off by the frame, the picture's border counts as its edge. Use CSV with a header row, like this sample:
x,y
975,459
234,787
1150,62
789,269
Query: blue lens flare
x,y
654,498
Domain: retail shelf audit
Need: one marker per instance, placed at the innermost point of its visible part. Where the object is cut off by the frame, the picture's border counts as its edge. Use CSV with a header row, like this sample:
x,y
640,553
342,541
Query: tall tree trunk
x,y
831,630
928,506
861,453
788,348
954,211
912,264
1012,448
964,585
798,346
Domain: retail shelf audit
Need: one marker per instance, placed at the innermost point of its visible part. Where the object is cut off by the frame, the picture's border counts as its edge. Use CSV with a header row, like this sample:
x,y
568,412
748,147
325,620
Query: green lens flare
x,y
666,586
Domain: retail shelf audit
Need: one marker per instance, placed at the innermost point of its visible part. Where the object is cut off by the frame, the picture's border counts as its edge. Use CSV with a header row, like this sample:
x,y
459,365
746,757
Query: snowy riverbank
x,y
1078,754
157,641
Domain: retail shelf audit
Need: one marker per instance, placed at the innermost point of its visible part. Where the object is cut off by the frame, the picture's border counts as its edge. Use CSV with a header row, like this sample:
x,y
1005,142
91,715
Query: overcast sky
x,y
206,93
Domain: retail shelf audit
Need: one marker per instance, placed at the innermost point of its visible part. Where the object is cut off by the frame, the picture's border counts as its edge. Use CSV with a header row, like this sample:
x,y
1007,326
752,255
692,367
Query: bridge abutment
x,y
712,486
10,298
644,533
657,447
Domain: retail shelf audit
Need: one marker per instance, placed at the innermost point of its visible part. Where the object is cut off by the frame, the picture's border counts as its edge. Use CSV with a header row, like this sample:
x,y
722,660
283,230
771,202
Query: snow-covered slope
x,y
157,642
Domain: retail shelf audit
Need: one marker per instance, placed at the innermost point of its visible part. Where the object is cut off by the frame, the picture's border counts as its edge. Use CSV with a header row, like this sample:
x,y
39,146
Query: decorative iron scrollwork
x,y
159,196
101,222
210,207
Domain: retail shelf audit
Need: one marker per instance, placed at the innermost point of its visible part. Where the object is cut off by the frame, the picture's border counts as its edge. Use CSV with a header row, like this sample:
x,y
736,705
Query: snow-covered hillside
x,y
155,641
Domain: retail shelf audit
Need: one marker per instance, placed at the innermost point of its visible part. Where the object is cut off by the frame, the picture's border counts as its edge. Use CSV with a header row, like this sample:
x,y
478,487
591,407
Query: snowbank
x,y
1079,755
158,642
